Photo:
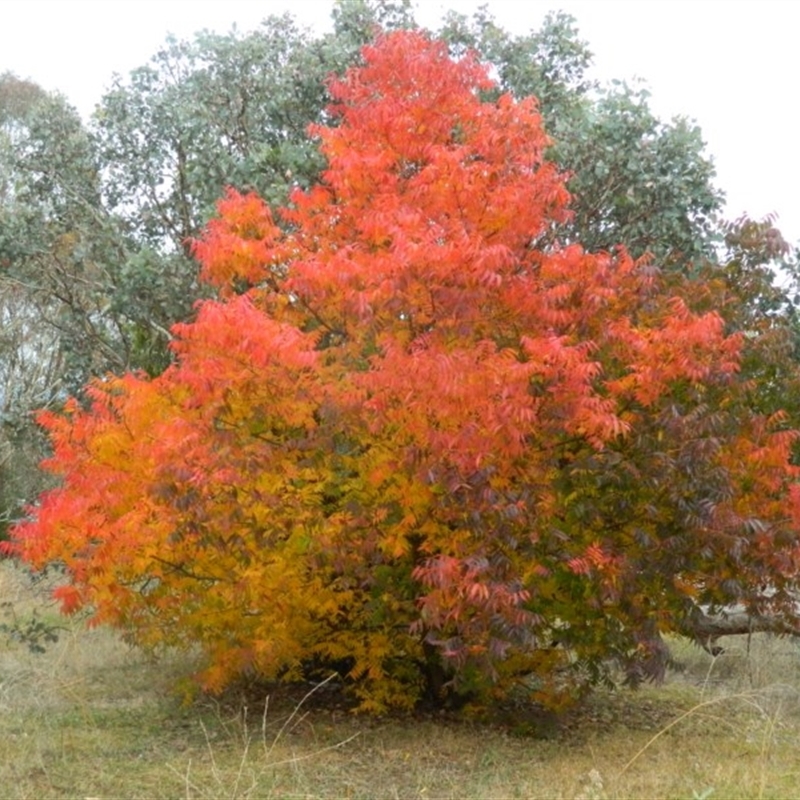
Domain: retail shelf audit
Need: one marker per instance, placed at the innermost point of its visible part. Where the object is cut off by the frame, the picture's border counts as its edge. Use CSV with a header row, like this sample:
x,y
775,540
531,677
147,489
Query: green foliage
x,y
60,248
220,110
640,181
634,178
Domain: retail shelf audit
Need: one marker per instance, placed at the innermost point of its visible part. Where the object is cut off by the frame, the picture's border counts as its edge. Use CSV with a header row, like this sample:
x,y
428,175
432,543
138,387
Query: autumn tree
x,y
232,109
409,441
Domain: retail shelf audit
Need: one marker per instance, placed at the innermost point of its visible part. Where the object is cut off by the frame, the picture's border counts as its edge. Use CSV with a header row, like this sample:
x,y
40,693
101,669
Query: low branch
x,y
707,628
712,626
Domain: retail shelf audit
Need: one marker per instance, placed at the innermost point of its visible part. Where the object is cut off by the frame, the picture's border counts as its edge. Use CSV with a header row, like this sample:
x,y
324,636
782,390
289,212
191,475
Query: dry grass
x,y
92,719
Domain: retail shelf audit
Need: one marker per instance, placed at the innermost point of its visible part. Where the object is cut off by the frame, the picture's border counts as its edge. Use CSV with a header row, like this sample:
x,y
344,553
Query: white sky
x,y
730,65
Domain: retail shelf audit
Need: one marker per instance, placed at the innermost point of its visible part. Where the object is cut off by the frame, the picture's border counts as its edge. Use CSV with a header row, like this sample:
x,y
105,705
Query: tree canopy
x,y
232,110
418,436
96,219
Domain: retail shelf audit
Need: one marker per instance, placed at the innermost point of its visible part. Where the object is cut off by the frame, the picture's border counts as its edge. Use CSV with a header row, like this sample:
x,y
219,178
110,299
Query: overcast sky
x,y
731,66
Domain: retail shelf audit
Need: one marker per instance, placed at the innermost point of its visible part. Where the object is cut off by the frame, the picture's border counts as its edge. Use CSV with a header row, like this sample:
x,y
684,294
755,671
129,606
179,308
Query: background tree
x,y
633,177
220,110
407,442
30,370
51,233
53,286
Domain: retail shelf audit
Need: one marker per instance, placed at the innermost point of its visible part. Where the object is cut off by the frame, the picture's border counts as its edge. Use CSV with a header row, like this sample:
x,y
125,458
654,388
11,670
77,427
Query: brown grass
x,y
92,719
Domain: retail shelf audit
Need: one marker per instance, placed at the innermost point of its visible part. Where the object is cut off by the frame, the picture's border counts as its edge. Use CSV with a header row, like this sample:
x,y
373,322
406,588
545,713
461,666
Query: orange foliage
x,y
410,439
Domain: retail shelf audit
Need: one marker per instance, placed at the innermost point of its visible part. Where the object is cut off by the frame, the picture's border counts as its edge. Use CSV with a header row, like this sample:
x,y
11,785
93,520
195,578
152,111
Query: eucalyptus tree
x,y
634,177
49,321
58,244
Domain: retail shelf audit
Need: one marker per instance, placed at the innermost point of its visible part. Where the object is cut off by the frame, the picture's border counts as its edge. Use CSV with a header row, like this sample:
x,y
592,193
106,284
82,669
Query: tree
x,y
49,213
408,442
233,109
633,177
221,110
30,369
50,285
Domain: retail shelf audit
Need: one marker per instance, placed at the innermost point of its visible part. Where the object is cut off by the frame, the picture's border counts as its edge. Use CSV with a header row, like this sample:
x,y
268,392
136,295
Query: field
x,y
90,718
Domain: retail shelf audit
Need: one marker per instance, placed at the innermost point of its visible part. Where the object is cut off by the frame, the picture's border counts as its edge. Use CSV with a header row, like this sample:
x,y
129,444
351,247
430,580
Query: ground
x,y
90,718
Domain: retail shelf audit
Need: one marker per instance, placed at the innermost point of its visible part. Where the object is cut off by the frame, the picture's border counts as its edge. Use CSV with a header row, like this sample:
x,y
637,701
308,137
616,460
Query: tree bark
x,y
707,628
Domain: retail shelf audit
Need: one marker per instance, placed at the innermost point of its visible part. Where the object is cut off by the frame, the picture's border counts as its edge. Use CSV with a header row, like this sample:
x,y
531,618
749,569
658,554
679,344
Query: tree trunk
x,y
707,628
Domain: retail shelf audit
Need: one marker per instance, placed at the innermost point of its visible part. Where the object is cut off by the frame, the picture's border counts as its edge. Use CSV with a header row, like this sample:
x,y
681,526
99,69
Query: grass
x,y
90,718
